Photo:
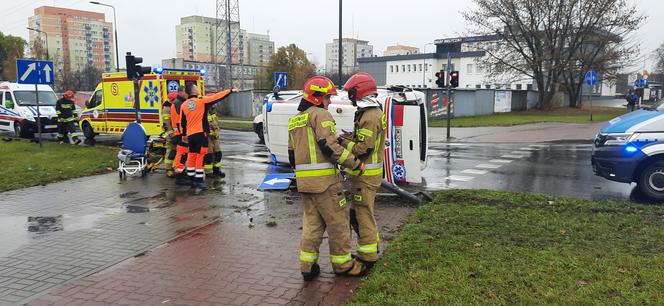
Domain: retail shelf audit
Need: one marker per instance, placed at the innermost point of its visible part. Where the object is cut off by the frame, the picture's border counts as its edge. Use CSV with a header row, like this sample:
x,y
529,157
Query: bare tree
x,y
659,59
540,39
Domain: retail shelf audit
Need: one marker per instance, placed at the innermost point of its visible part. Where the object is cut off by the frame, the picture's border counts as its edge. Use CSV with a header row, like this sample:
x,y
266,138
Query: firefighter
x,y
314,152
179,139
367,143
67,118
195,127
213,157
167,127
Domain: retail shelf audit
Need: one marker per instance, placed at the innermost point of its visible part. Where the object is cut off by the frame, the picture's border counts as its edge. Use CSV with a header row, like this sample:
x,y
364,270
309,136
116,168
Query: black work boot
x,y
218,173
199,184
308,276
181,179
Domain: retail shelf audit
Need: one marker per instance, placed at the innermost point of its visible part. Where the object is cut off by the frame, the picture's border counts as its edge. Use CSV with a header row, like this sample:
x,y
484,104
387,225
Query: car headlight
x,y
616,139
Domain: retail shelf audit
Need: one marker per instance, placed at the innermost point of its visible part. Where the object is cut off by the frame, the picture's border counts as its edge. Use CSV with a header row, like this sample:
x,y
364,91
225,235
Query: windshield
x,y
25,98
659,106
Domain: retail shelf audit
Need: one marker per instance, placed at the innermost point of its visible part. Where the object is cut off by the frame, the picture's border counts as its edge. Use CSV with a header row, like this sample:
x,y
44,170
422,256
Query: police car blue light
x,y
631,149
158,70
203,72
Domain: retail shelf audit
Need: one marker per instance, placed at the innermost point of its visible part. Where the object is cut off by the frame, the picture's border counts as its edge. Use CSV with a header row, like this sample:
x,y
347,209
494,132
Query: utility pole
x,y
449,98
227,17
341,50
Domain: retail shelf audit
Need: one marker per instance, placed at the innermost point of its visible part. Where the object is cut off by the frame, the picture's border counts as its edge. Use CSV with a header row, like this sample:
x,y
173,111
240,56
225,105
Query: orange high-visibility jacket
x,y
194,113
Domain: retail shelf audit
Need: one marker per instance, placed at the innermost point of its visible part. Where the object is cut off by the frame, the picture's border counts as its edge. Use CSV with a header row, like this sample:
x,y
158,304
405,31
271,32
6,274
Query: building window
x,y
469,68
408,68
420,67
403,68
397,66
391,69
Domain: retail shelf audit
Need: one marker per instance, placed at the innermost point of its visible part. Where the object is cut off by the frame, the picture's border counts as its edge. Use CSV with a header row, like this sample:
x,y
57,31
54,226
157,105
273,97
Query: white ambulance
x,y
18,110
406,135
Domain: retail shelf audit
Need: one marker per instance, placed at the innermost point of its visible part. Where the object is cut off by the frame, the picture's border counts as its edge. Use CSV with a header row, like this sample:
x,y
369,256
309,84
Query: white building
x,y
353,49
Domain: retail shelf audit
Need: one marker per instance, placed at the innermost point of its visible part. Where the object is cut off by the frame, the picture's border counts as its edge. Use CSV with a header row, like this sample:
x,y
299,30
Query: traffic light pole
x,y
137,101
449,99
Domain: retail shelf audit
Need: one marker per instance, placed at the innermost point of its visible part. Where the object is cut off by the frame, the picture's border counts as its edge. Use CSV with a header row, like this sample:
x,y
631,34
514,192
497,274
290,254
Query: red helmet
x,y
360,85
318,87
69,94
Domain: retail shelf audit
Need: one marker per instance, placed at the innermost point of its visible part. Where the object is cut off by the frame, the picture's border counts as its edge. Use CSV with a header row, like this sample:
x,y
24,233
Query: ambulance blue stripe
x,y
125,110
629,120
5,111
32,110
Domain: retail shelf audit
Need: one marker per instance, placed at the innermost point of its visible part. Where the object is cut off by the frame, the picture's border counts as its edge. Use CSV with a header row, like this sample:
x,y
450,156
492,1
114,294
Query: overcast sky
x,y
147,27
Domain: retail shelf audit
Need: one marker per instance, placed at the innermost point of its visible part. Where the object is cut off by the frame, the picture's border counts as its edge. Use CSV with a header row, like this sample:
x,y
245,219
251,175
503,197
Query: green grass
x,y
24,164
236,118
249,125
518,118
497,248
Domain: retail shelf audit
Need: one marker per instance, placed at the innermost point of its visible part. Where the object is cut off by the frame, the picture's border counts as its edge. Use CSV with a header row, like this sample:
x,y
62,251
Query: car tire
x,y
259,131
651,180
88,132
21,131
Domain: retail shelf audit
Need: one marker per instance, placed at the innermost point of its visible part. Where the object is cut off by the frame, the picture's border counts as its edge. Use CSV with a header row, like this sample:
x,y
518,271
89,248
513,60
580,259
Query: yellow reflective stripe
x,y
369,172
329,124
344,157
166,117
342,202
357,198
217,164
308,257
207,167
350,146
383,122
312,146
365,132
368,248
298,121
320,88
340,259
315,173
374,156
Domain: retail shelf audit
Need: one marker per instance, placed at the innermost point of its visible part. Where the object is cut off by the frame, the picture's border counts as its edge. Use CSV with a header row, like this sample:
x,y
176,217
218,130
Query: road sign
x,y
281,79
279,181
641,83
35,72
591,78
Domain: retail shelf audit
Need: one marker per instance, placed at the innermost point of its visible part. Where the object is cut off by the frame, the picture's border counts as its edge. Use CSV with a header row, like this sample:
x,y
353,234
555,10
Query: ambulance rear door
x,y
150,99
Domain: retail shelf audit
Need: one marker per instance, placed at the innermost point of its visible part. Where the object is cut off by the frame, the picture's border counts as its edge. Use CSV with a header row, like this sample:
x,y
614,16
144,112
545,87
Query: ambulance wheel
x,y
88,132
259,132
22,131
651,180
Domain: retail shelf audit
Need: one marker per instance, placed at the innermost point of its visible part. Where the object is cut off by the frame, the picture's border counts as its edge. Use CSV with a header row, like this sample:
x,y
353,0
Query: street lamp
x,y
424,63
115,28
46,34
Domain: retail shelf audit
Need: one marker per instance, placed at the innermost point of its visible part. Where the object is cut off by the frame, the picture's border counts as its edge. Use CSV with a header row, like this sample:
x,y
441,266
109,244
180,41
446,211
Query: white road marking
x,y
475,171
500,161
512,156
522,152
488,166
528,149
460,178
539,146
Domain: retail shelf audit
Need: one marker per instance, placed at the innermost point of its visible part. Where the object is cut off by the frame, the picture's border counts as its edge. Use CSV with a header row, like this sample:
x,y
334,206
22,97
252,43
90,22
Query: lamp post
x,y
45,34
115,29
424,63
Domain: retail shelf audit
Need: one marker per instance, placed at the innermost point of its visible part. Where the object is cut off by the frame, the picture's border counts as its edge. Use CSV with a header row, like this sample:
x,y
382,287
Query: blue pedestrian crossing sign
x,y
281,79
641,83
277,181
591,78
35,72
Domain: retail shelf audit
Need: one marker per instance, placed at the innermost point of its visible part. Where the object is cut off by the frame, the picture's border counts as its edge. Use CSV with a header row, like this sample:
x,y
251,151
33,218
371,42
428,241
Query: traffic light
x,y
134,70
454,79
440,79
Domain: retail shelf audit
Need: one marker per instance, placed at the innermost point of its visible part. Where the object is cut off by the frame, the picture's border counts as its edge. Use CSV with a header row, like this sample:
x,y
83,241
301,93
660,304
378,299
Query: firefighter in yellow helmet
x,y
367,142
213,157
315,154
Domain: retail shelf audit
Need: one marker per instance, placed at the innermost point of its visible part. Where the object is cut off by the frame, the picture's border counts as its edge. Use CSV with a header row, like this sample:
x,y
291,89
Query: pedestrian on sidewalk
x,y
632,99
314,152
65,108
367,143
195,126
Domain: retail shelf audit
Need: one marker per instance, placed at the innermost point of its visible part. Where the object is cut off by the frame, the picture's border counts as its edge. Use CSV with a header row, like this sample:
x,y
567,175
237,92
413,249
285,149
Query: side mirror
x,y
9,104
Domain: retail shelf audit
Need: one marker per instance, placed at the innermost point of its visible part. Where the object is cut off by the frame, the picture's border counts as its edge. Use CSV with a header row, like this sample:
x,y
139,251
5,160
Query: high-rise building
x,y
352,50
400,50
196,36
258,49
76,38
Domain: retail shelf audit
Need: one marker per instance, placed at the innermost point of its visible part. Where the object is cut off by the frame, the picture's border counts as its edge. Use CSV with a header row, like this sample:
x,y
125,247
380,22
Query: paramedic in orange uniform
x,y
195,126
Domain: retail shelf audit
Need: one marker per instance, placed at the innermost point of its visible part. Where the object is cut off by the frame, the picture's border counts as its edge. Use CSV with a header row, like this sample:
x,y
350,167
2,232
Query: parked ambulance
x,y
406,134
630,148
111,107
18,111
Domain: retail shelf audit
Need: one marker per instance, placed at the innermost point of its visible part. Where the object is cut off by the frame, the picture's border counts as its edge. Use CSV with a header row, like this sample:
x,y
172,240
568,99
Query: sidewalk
x,y
527,133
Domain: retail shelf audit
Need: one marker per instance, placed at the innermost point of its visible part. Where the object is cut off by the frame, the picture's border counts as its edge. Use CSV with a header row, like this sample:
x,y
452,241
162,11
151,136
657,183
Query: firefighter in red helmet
x,y
315,154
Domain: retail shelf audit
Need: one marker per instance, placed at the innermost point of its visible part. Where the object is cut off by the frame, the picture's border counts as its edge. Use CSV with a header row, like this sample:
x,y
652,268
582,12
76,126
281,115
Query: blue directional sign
x,y
281,79
591,78
278,181
641,83
35,72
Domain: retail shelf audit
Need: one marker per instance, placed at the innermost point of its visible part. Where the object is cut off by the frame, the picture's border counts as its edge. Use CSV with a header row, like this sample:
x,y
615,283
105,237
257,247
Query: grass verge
x,y
249,125
25,164
498,248
527,117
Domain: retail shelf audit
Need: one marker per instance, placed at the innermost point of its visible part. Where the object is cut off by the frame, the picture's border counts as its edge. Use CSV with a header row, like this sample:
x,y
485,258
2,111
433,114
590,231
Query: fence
x,y
477,102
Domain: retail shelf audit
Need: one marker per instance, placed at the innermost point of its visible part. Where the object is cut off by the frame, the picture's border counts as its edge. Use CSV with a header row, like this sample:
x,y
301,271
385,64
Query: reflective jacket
x,y
194,113
314,151
213,122
66,110
176,107
166,117
368,143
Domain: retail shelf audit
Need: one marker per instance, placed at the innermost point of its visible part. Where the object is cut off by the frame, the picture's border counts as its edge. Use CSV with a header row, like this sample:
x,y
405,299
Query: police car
x,y
406,135
18,110
630,148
